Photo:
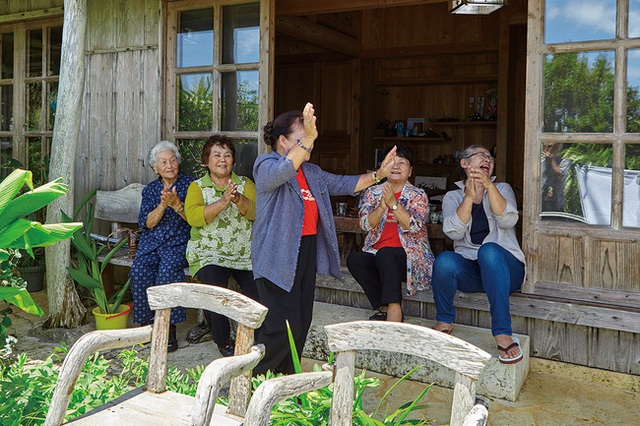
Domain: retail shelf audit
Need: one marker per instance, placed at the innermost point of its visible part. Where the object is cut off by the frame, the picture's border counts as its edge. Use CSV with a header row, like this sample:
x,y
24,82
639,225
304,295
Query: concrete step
x,y
497,380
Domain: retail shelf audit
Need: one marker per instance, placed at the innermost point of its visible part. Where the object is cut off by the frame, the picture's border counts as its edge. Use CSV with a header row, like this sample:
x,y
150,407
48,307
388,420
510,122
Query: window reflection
x,y
579,20
241,34
634,18
578,92
34,106
34,59
6,108
195,38
239,95
633,91
55,50
631,194
575,182
195,97
6,55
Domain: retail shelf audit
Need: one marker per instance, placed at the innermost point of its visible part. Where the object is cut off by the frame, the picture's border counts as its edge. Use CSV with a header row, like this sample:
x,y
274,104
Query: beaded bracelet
x,y
302,146
375,177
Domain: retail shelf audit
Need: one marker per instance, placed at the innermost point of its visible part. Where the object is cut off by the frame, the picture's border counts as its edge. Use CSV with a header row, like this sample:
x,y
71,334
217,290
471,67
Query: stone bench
x,y
497,380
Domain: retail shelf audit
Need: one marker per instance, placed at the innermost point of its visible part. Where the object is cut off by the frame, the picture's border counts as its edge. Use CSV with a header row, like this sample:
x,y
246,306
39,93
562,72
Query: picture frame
x,y
411,122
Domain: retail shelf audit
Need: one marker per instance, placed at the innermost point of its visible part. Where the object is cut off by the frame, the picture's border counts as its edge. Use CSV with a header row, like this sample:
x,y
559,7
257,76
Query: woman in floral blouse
x,y
221,208
396,248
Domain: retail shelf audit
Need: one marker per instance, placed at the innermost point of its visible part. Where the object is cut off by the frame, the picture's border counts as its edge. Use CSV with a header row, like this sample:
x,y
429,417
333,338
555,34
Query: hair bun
x,y
269,139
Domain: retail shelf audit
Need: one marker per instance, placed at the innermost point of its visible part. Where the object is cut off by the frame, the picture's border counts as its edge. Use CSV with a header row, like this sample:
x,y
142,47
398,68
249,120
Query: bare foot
x,y
443,327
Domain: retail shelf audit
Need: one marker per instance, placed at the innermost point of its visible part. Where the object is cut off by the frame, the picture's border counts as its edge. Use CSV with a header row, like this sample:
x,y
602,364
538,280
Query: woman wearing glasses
x,y
480,218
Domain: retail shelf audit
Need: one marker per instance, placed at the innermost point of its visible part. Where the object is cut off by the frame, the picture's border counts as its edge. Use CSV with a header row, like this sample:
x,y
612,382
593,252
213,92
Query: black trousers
x,y
219,276
295,306
380,275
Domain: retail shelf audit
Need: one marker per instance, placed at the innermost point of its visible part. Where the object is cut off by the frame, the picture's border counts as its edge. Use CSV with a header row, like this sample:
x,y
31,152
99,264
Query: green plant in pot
x,y
87,270
31,269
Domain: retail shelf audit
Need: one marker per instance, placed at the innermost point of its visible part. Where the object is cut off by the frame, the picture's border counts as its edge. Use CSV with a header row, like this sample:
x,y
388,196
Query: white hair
x,y
163,146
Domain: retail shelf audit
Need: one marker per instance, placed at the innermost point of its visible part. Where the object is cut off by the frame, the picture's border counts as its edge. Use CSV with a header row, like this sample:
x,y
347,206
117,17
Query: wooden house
x,y
182,69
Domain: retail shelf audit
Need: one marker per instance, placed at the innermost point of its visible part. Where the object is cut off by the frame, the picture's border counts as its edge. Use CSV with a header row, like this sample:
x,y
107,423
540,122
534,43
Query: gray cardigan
x,y
277,230
501,228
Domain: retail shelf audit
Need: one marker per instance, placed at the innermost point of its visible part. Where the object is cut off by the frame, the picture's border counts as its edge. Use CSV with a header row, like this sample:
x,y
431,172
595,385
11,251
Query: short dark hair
x,y
219,140
282,125
402,151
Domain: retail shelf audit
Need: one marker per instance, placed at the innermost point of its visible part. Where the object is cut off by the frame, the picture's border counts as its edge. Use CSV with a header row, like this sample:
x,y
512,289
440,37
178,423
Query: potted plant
x,y
87,270
31,269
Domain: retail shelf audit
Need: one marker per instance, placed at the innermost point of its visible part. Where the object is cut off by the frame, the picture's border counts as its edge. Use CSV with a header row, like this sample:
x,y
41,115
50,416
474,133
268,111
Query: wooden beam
x,y
431,49
34,14
318,35
300,8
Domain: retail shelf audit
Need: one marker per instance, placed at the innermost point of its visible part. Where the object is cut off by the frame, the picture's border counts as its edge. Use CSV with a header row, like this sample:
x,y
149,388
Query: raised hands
x,y
231,195
309,122
387,164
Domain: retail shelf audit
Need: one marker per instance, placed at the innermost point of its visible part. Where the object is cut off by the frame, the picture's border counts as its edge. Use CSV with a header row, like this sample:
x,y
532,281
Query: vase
x,y
34,276
115,321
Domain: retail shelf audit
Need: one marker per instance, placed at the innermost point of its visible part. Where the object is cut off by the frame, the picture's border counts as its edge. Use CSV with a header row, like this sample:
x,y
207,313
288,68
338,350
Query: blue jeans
x,y
496,272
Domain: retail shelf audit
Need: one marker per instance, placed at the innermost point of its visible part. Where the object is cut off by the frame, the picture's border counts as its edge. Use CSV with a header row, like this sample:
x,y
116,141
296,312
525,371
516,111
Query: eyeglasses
x,y
484,155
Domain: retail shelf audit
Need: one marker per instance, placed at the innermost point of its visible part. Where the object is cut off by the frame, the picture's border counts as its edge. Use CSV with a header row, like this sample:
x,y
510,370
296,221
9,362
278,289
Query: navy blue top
x,y
172,230
479,224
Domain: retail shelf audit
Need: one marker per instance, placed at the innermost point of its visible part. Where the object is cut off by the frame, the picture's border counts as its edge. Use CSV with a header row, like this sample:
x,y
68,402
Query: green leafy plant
x,y
29,385
87,269
17,232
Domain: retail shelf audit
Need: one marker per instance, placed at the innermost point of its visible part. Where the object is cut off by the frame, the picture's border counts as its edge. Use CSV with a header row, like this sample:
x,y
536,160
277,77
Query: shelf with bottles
x,y
456,123
412,139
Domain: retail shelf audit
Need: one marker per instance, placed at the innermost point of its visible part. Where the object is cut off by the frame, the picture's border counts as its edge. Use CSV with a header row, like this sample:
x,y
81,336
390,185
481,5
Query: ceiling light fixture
x,y
475,7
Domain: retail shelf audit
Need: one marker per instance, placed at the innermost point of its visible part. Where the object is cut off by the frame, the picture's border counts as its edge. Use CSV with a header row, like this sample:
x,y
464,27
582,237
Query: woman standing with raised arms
x,y
294,235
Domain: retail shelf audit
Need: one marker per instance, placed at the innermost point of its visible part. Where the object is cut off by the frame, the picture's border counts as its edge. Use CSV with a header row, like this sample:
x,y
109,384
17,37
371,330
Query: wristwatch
x,y
394,207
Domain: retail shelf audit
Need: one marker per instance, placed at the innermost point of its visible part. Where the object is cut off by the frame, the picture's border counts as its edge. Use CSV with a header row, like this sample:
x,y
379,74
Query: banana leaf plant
x,y
87,270
16,232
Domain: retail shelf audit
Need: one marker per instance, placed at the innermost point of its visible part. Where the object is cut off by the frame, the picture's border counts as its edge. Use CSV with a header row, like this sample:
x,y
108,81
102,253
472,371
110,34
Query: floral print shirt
x,y
226,240
414,240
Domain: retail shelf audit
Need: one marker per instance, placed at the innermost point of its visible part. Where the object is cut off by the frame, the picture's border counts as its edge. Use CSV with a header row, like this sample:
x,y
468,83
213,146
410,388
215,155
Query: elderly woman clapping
x,y
221,207
160,258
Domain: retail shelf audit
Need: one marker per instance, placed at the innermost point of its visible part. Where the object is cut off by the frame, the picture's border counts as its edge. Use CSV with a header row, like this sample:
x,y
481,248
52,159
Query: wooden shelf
x,y
462,123
410,139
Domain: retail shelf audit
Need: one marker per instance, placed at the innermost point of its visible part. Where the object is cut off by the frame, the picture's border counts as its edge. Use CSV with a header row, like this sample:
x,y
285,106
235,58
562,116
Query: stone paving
x,y
554,393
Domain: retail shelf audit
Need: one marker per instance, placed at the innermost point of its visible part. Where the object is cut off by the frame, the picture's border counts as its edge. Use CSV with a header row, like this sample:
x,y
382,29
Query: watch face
x,y
394,207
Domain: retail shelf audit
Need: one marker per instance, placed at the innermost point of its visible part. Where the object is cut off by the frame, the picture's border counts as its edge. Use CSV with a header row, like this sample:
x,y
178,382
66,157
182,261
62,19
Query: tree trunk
x,y
65,308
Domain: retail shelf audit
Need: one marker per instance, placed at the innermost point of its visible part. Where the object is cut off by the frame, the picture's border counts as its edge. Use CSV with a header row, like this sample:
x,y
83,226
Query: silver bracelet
x,y
302,146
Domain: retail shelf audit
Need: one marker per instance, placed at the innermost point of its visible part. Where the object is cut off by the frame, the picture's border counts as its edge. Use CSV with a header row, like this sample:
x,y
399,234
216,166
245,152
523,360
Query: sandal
x,y
516,342
378,316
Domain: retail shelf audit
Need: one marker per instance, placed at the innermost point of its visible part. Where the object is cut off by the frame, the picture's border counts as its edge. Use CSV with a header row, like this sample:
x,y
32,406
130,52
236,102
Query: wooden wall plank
x,y
8,7
130,22
101,24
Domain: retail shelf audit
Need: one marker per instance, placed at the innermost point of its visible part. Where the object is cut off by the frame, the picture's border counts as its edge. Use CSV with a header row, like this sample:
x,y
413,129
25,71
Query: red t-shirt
x,y
389,236
310,221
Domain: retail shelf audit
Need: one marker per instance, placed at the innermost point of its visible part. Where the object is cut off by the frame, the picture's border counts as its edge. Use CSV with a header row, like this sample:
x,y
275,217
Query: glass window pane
x,y
239,98
578,92
52,91
55,46
7,163
190,151
6,108
241,34
34,106
634,18
38,159
633,91
246,153
575,181
6,70
631,195
195,38
568,21
34,57
195,107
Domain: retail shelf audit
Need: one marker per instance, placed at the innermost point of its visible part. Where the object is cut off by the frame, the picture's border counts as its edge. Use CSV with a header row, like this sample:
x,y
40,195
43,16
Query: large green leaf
x,y
32,201
39,235
14,231
21,298
12,185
